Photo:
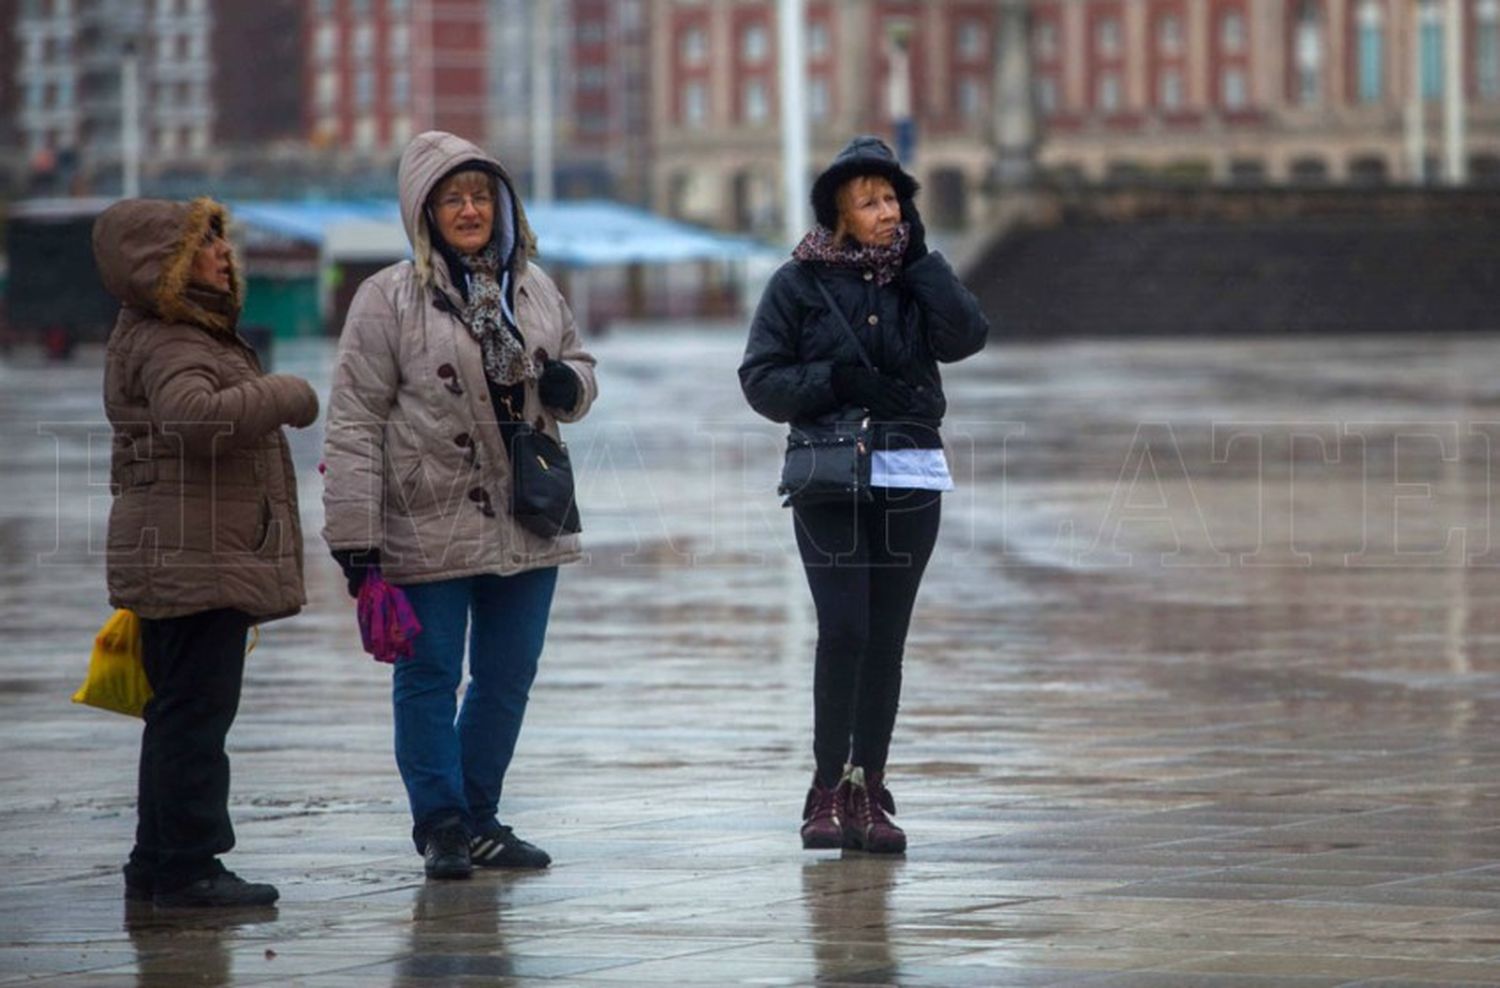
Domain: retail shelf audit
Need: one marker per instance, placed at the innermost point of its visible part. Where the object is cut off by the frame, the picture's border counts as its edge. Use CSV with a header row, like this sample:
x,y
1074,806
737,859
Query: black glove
x,y
916,243
886,397
356,564
558,386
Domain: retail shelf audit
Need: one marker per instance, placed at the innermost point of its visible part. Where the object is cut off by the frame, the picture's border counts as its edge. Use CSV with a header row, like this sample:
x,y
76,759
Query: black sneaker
x,y
447,852
501,848
138,893
223,890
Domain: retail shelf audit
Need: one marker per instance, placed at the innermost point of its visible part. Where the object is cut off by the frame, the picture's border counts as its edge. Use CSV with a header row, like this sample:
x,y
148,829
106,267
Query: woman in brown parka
x,y
204,536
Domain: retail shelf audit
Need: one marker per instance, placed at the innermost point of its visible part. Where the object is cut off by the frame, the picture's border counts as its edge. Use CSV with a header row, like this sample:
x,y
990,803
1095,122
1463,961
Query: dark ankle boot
x,y
867,803
822,825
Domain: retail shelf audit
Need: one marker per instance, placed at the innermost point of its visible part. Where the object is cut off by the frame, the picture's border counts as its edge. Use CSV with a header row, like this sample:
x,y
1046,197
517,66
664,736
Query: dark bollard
x,y
260,339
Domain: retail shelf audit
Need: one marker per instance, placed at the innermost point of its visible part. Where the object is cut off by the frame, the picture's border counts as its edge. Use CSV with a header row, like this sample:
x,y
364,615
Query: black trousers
x,y
195,665
864,564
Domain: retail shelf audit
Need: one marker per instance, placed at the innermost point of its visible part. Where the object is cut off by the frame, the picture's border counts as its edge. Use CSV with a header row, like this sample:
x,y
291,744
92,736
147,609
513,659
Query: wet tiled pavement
x,y
1202,691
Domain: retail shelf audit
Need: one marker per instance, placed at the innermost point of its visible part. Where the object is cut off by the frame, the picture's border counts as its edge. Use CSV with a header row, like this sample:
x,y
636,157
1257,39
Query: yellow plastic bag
x,y
117,679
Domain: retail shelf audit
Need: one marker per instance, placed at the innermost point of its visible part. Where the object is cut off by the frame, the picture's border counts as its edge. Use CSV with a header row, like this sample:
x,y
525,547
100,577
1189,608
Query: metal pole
x,y
794,135
1455,100
1015,110
130,122
541,100
1416,107
898,94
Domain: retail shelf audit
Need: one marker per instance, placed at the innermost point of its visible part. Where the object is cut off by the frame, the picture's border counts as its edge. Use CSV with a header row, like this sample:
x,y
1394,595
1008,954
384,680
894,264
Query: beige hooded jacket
x,y
415,464
205,509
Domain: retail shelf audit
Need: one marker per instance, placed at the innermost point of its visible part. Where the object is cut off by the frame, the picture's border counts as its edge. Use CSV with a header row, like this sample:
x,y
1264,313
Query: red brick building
x,y
717,152
260,99
1263,90
379,71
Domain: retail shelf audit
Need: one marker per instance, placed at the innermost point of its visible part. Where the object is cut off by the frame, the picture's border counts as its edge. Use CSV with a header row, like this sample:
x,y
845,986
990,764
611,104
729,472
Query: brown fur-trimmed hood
x,y
144,249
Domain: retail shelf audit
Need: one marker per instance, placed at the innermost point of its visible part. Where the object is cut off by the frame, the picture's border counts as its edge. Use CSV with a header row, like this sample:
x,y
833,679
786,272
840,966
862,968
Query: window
x,y
359,8
1169,35
1169,94
754,46
1432,49
1107,96
364,133
1232,33
817,40
397,8
401,89
198,139
364,41
1308,56
1046,95
755,107
326,41
694,104
398,42
818,107
364,89
970,99
1487,48
326,89
592,77
197,46
693,47
1233,89
1045,41
1371,26
326,8
400,130
1107,37
971,40
591,33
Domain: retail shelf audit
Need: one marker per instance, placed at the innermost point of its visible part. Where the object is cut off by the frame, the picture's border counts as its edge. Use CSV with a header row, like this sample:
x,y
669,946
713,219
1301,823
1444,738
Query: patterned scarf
x,y
505,359
820,246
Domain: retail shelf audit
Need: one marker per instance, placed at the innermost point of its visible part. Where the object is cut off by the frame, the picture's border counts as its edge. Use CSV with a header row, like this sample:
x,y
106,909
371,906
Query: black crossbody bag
x,y
542,498
829,463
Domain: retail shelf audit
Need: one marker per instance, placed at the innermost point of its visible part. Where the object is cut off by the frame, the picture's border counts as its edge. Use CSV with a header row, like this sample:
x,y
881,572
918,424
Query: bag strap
x,y
844,322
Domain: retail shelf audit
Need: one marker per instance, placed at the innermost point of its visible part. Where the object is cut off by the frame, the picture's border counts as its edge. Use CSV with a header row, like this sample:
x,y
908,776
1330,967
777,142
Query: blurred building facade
x,y
379,71
259,51
1257,91
601,125
927,67
71,90
675,103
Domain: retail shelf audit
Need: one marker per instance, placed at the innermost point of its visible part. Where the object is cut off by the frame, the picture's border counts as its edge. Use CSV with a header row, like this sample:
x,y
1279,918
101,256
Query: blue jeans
x,y
454,766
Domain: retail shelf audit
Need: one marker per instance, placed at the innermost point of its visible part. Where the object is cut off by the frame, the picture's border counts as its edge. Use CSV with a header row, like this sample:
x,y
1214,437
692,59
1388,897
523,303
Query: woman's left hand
x,y
916,243
558,386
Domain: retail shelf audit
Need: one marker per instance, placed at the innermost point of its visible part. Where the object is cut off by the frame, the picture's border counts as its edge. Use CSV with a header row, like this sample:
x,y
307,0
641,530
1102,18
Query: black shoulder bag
x,y
541,492
829,463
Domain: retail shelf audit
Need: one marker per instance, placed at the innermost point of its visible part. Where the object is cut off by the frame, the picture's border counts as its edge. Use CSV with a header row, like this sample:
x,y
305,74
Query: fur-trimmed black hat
x,y
865,155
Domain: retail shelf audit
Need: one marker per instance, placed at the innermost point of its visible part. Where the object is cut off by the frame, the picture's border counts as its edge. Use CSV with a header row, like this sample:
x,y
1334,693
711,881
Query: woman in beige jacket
x,y
204,538
443,359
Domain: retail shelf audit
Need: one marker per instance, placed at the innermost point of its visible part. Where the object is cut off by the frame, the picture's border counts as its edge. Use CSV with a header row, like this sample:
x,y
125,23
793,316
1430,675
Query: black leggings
x,y
864,564
195,665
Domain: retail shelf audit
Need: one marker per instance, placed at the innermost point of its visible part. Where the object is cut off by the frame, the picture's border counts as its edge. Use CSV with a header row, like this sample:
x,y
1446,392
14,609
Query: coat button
x,y
463,439
869,275
873,320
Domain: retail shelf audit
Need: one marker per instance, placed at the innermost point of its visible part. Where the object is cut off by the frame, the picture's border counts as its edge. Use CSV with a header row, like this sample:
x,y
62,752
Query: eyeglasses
x,y
454,202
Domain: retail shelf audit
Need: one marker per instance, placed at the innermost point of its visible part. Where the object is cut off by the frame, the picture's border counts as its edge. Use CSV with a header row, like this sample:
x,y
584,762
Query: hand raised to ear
x,y
916,244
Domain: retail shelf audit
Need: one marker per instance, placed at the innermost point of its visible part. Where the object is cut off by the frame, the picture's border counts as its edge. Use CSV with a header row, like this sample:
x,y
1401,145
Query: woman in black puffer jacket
x,y
864,559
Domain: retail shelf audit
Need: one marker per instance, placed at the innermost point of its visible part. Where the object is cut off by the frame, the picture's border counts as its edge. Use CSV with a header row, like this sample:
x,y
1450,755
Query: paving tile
x,y
1123,775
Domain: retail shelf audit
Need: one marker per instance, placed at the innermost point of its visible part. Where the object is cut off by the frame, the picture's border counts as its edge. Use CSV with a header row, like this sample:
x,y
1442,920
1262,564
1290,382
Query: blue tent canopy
x,y
586,233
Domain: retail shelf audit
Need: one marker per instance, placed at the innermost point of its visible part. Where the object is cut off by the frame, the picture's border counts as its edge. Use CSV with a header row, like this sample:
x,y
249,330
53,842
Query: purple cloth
x,y
387,623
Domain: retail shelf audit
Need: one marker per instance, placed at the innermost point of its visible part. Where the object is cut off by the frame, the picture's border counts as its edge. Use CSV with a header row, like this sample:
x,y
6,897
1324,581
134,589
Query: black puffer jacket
x,y
908,326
